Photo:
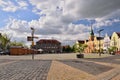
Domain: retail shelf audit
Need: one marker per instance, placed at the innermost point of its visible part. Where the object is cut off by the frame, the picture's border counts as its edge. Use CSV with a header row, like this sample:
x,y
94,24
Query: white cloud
x,y
73,10
20,29
10,6
23,4
101,23
78,8
59,15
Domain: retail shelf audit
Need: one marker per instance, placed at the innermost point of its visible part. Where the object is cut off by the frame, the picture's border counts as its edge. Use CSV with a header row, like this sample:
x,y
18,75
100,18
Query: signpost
x,y
31,38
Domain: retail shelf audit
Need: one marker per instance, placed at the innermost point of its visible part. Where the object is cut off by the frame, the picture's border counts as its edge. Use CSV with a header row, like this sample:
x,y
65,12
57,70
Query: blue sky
x,y
59,19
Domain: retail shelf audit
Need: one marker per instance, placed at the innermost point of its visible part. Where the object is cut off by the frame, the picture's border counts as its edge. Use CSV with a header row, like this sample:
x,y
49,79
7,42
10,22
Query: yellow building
x,y
115,40
97,41
93,43
93,46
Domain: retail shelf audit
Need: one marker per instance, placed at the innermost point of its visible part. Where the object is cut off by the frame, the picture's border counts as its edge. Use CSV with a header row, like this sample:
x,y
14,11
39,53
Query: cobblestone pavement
x,y
64,69
88,67
103,68
5,61
60,71
25,70
111,59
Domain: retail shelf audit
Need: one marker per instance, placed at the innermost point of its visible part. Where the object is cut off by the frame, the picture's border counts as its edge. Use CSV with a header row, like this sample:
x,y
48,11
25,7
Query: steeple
x,y
91,34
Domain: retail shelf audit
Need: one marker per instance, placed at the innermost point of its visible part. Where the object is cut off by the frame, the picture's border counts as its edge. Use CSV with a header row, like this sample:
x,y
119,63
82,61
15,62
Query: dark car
x,y
6,52
1,52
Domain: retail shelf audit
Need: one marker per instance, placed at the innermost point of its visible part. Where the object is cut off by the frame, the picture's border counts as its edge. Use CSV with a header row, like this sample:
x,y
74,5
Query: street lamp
x,y
0,35
99,40
32,34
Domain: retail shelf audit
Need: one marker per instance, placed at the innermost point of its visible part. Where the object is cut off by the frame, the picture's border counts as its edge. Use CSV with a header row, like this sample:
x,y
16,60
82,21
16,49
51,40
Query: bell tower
x,y
91,34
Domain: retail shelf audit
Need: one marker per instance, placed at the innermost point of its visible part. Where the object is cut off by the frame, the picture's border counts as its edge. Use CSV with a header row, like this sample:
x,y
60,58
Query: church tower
x,y
91,34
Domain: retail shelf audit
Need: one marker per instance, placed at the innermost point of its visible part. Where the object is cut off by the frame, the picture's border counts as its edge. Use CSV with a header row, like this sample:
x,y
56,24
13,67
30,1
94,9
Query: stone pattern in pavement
x,y
88,67
25,70
60,71
5,60
111,59
67,68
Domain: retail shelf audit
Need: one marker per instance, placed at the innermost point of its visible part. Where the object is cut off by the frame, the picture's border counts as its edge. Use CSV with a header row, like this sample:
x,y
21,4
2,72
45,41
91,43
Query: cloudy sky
x,y
59,19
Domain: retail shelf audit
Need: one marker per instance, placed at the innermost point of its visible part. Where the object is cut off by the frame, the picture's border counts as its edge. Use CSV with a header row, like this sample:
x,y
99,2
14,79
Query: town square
x,y
60,67
59,39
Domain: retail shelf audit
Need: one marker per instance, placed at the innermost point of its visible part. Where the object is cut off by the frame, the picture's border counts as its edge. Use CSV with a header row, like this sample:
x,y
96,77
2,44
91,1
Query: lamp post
x,y
0,35
99,40
32,34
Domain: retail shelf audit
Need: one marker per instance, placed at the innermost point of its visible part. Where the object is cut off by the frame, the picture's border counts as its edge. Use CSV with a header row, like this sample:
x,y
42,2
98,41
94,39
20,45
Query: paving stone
x,y
88,67
25,70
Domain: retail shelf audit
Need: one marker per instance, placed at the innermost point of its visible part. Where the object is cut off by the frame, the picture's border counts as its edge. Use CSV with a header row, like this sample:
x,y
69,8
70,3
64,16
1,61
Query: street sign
x,y
35,37
29,38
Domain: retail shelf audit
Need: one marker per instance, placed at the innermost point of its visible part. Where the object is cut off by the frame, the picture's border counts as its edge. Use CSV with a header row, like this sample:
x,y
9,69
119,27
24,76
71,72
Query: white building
x,y
106,43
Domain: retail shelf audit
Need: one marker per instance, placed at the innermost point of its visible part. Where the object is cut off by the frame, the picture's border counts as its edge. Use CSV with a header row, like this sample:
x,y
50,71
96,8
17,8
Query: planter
x,y
113,53
80,55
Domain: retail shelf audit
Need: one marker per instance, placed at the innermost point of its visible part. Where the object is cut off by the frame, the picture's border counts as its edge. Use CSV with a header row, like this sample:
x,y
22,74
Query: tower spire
x,y
91,34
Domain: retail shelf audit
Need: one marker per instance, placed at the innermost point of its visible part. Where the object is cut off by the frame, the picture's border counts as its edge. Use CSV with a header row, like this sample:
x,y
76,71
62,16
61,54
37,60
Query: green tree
x,y
75,48
17,44
81,47
112,49
67,49
5,41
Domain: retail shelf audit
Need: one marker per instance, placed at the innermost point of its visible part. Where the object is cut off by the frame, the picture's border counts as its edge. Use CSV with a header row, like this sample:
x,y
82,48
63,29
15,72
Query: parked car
x,y
6,52
1,52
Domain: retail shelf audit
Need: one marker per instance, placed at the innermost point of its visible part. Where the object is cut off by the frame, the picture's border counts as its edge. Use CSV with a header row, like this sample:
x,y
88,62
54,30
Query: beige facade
x,y
115,40
93,45
97,41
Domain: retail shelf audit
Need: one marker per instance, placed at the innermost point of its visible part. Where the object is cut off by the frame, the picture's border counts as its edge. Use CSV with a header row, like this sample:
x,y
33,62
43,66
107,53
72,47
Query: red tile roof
x,y
118,33
48,41
81,41
100,38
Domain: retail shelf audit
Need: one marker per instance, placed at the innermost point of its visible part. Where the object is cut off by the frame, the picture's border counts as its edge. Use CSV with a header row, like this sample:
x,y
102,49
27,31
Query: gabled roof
x,y
81,41
118,33
48,41
100,38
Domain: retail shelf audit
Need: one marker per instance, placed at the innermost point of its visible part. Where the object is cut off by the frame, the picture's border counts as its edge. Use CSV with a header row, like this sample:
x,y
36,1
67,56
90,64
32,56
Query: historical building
x,y
90,42
98,41
106,43
93,43
115,40
49,45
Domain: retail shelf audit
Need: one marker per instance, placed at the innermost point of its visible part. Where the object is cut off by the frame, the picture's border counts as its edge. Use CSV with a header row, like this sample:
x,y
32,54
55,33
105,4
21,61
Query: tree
x,y
75,47
81,48
67,49
5,41
112,50
17,44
